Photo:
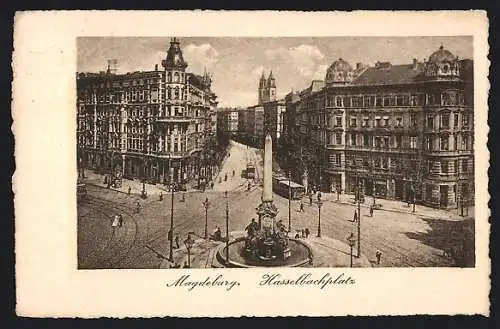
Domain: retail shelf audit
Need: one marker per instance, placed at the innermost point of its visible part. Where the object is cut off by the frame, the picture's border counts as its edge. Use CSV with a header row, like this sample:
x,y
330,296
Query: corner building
x,y
401,132
150,125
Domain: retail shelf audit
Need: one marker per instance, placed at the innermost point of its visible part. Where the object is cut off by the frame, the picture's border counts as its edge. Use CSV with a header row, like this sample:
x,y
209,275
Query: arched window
x,y
169,77
176,77
338,101
176,93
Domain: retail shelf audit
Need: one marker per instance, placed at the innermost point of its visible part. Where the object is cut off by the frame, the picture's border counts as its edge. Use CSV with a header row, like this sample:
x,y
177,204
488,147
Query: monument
x,y
267,239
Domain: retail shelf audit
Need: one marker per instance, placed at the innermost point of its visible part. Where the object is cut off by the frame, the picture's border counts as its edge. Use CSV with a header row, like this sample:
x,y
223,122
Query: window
x,y
338,121
353,139
387,101
465,120
398,141
444,143
338,138
169,77
445,120
465,142
378,101
176,77
455,120
366,140
338,101
430,121
337,159
347,102
428,143
367,101
465,165
357,102
414,100
429,166
365,122
456,166
386,121
398,122
444,167
353,122
413,142
413,120
377,121
385,163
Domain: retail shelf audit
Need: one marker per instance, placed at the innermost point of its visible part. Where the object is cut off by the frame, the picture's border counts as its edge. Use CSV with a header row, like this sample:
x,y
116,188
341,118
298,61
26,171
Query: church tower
x,y
262,89
271,88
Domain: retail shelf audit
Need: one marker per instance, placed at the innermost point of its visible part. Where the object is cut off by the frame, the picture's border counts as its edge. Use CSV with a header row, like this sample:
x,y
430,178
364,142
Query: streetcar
x,y
250,171
282,186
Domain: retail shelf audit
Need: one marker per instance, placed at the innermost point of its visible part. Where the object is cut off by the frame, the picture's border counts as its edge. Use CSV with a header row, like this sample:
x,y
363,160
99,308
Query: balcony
x,y
173,155
447,152
179,118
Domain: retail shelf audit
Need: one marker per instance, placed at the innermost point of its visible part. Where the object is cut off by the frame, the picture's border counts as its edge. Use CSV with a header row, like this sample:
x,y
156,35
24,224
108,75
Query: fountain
x,y
266,242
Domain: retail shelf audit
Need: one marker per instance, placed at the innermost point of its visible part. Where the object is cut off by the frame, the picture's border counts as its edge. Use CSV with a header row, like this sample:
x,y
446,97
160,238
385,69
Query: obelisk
x,y
267,193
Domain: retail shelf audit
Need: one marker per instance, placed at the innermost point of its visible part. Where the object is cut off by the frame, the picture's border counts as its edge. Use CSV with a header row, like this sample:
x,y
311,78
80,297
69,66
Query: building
x,y
266,117
151,125
267,89
401,132
227,121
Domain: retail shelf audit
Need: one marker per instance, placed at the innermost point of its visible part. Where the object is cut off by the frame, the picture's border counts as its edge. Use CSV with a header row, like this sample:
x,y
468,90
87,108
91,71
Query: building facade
x,y
227,121
152,125
401,132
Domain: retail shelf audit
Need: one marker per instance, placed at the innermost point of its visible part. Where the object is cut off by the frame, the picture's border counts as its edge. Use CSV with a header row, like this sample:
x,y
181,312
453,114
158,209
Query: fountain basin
x,y
301,255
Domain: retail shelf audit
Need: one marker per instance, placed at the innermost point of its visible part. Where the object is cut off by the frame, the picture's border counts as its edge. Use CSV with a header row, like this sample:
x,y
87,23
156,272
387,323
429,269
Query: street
x,y
404,239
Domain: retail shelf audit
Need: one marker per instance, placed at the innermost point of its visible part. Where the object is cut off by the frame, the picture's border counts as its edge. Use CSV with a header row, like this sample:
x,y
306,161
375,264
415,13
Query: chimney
x,y
359,66
156,67
415,63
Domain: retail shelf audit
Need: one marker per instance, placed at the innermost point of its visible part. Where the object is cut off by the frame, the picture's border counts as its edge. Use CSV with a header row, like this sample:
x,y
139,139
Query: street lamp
x,y
289,202
319,214
358,254
171,256
352,241
206,204
189,242
227,226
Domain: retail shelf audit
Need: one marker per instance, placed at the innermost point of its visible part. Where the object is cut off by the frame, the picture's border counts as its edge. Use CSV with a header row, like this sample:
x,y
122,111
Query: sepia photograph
x,y
251,163
215,152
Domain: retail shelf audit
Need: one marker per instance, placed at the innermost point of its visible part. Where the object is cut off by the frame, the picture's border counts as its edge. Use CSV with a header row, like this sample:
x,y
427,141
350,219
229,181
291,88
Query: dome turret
x,y
442,64
339,72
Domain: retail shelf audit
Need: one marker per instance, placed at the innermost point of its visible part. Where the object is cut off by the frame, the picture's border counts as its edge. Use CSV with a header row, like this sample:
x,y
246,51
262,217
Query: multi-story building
x,y
399,131
266,117
150,125
227,121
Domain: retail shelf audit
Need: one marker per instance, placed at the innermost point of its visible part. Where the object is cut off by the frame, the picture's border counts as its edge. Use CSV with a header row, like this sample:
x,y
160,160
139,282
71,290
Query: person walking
x,y
120,220
371,211
355,218
301,209
177,241
307,232
161,196
129,190
310,199
378,254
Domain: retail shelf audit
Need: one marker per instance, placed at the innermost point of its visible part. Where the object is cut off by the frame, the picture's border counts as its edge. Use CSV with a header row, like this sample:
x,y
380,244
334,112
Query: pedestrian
x,y
177,241
301,209
378,254
297,235
225,177
161,196
120,220
137,207
371,211
129,190
233,173
310,199
185,265
307,232
355,219
212,185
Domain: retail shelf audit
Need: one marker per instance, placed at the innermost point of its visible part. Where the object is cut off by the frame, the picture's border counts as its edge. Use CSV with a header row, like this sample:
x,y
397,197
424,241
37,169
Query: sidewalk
x,y
399,206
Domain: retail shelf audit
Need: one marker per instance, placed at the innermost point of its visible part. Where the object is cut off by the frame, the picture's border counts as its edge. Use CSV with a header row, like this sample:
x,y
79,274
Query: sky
x,y
238,63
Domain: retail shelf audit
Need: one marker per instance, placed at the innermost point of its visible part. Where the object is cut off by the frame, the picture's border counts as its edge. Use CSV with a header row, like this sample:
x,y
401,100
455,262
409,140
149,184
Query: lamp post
x,y
227,226
206,204
413,195
189,242
358,254
319,214
171,256
352,241
289,202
